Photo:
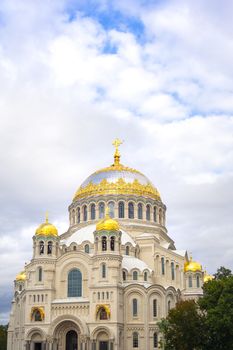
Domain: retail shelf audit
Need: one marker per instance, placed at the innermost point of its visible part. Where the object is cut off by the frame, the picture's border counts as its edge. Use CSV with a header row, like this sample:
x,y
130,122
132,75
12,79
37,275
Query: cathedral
x,y
106,282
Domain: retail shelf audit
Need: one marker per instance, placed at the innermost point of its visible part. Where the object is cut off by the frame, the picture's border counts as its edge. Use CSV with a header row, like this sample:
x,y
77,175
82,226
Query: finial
x,y
46,217
191,256
116,143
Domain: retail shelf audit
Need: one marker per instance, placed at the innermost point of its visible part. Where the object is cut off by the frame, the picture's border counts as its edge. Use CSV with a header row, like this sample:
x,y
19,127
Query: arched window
x,y
93,212
135,275
173,270
40,274
104,243
78,215
154,307
112,243
103,314
148,212
73,216
135,340
74,283
101,210
160,216
37,316
103,268
190,282
131,210
50,247
111,207
41,244
135,307
155,340
121,210
169,305
155,214
198,281
162,266
20,287
127,250
84,213
145,276
87,248
140,211
124,275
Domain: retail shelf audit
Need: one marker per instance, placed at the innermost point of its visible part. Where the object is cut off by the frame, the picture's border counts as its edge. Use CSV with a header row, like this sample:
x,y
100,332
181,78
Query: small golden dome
x,y
46,229
21,276
192,266
107,223
207,277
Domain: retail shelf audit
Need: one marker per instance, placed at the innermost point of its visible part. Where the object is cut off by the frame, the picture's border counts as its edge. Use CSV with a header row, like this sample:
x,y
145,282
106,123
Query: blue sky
x,y
76,74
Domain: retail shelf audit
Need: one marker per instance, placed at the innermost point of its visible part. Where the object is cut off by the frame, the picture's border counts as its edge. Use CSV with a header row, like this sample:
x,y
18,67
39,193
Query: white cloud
x,y
68,88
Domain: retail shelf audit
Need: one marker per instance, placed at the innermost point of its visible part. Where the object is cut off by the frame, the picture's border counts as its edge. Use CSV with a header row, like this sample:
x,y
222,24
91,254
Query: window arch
x,y
135,307
121,210
145,276
190,281
78,215
111,207
160,216
135,340
104,243
92,211
40,274
87,248
75,283
148,212
112,243
155,214
173,270
155,308
50,247
198,281
101,210
73,216
103,270
103,314
124,275
169,305
41,245
140,211
163,266
130,210
127,250
155,340
135,275
84,213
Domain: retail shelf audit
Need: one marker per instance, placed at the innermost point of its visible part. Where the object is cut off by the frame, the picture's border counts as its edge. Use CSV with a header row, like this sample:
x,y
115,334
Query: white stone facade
x,y
115,296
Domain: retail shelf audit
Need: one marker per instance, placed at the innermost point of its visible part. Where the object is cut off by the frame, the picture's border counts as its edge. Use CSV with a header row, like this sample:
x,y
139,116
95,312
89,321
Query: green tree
x,y
217,305
222,272
184,327
3,337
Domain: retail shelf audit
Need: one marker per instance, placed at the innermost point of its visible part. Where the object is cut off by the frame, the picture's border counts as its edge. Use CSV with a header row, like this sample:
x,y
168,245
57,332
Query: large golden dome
x,y
46,229
117,179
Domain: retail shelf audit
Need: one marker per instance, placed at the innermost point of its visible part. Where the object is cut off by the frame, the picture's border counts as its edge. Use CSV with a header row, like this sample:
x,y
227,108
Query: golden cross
x,y
116,143
46,217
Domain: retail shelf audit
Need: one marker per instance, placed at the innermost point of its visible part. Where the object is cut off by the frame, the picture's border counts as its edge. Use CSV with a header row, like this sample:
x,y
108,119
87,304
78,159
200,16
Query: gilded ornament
x,y
46,229
21,276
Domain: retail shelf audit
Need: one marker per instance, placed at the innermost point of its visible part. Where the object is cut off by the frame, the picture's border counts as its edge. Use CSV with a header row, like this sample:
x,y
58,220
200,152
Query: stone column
x,y
27,345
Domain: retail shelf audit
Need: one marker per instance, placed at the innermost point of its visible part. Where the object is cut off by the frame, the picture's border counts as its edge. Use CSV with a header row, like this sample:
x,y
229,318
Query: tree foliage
x,y
3,337
183,329
206,324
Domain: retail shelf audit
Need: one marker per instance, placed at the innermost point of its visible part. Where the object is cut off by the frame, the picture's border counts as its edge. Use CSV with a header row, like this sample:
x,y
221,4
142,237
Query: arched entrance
x,y
71,340
102,339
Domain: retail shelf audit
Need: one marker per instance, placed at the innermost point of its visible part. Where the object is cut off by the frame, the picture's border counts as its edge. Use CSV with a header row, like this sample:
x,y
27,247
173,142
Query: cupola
x,y
21,276
46,229
107,224
192,266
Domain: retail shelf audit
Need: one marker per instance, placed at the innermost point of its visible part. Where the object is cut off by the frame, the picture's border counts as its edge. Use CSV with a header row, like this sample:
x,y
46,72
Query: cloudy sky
x,y
76,74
